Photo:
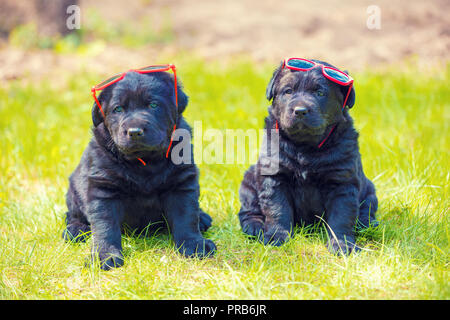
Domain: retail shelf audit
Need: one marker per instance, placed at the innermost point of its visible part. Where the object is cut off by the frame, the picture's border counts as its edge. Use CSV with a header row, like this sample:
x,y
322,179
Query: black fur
x,y
312,183
111,189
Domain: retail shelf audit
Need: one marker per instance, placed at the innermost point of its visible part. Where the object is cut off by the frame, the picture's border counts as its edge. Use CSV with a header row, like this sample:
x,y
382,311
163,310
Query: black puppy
x,y
311,183
112,189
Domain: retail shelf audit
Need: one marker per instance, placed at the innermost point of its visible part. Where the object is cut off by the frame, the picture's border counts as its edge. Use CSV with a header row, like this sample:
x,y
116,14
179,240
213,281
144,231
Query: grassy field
x,y
403,118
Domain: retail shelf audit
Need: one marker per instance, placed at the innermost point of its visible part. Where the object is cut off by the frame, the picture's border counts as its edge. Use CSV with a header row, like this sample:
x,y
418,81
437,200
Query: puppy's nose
x,y
135,132
300,111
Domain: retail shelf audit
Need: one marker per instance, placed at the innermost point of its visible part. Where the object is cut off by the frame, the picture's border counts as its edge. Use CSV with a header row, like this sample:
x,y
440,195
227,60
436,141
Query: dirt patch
x,y
265,30
331,30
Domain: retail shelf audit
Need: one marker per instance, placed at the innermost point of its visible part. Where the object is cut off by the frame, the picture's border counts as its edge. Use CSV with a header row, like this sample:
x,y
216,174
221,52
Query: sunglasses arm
x,y
174,70
97,102
348,93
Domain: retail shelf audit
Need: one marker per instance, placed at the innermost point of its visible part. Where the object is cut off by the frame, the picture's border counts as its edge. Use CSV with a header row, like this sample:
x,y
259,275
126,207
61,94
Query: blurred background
x,y
35,40
53,51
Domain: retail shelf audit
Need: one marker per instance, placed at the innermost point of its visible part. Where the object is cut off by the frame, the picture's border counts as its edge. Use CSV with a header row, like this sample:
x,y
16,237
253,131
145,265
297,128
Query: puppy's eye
x,y
153,105
287,91
320,93
118,109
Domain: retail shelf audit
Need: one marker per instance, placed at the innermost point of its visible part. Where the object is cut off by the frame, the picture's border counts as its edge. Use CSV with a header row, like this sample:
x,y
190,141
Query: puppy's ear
x,y
182,98
270,90
97,115
351,97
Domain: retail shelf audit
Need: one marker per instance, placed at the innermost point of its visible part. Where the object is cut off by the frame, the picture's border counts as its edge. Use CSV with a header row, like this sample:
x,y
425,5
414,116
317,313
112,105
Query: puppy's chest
x,y
303,171
306,191
143,184
303,176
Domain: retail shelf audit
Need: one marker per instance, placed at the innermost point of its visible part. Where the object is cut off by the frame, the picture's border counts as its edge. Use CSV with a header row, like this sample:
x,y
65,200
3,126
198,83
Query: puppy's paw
x,y
111,261
197,247
254,227
76,232
106,260
275,236
205,221
342,246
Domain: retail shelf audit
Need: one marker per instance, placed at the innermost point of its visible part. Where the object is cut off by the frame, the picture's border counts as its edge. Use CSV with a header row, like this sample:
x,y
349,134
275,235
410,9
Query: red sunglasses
x,y
119,76
149,69
332,74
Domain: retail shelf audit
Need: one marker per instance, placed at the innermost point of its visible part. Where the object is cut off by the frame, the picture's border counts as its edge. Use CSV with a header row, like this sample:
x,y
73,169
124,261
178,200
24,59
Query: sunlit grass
x,y
403,117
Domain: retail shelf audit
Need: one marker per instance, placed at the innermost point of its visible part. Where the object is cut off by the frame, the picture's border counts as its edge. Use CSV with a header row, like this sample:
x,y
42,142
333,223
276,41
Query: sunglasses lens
x,y
298,63
338,75
104,83
151,68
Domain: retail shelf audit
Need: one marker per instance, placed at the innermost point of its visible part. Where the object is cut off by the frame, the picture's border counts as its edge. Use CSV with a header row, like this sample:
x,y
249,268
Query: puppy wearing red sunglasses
x,y
126,179
320,176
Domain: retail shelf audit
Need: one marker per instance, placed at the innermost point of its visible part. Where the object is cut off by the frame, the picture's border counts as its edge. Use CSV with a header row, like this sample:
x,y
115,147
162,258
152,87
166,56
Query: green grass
x,y
403,117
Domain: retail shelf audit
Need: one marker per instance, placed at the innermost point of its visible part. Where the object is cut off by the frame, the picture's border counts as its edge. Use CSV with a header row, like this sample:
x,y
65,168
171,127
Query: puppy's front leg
x,y
276,205
181,209
105,217
341,211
